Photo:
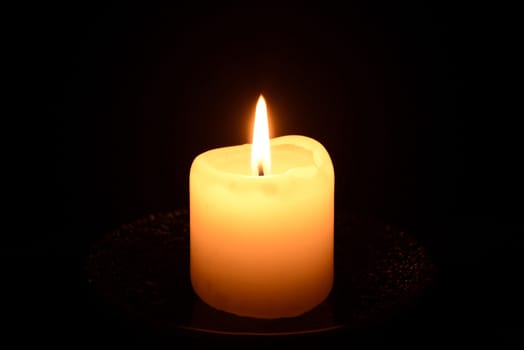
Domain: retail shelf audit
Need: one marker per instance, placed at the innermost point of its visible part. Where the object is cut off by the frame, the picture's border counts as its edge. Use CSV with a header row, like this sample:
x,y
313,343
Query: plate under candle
x,y
141,271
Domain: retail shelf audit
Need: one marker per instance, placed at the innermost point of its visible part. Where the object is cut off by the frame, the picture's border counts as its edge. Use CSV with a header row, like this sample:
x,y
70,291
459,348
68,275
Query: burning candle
x,y
261,224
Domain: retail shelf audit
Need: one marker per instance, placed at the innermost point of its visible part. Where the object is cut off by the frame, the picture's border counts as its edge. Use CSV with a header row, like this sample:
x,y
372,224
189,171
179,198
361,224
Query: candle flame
x,y
260,155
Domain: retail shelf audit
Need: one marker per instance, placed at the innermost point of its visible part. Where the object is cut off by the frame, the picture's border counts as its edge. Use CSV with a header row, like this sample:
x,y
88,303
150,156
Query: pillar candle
x,y
261,225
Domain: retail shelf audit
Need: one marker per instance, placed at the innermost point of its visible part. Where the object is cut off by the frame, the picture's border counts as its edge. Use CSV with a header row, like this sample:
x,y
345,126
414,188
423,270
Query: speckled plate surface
x,y
141,270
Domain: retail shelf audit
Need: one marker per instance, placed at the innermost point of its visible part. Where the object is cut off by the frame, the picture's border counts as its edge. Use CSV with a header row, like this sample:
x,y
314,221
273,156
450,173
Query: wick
x,y
260,169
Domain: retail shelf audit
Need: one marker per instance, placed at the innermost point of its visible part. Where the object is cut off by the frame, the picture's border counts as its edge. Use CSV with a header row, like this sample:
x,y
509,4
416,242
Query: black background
x,y
123,97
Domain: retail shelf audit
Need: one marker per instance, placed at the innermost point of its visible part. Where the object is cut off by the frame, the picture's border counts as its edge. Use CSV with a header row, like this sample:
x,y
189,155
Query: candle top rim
x,y
320,158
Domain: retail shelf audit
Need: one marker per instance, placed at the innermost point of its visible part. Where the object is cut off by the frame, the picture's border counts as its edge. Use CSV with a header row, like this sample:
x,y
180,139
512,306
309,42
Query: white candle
x,y
261,230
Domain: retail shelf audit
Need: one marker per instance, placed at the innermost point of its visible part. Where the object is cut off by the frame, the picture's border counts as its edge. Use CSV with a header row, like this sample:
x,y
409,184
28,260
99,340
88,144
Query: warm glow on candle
x,y
260,154
263,246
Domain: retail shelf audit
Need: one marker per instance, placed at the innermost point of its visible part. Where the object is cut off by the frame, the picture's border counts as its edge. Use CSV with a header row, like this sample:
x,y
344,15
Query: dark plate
x,y
141,272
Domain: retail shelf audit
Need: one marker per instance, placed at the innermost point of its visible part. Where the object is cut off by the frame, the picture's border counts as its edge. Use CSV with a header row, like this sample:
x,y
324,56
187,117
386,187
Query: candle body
x,y
262,246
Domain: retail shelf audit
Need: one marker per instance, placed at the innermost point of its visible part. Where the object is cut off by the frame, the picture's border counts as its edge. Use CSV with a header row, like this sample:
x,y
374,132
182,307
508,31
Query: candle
x,y
261,224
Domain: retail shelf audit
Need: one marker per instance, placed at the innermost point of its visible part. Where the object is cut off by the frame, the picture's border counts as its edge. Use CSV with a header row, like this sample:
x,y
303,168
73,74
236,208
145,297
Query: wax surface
x,y
262,246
